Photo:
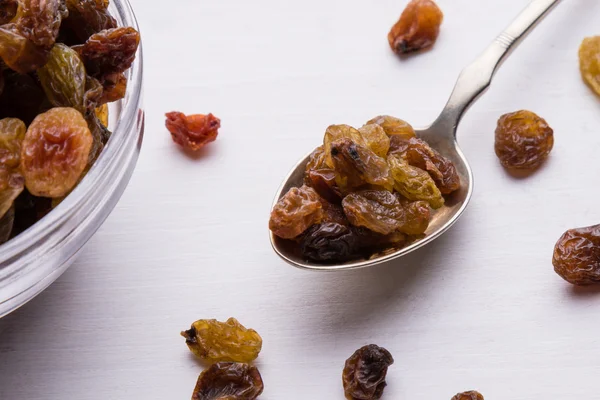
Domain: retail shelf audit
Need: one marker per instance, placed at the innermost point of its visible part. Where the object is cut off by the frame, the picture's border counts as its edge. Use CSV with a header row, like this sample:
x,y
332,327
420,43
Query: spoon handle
x,y
474,80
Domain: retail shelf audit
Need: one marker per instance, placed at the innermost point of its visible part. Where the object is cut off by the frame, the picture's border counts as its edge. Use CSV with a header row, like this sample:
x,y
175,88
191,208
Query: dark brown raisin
x,y
577,255
365,371
229,380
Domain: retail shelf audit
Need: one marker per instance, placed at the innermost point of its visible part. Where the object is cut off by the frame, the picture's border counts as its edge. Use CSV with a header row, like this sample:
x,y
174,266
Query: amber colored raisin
x,y
321,177
376,139
55,152
414,183
295,212
365,371
114,87
110,51
523,140
12,132
419,154
330,241
8,10
18,52
102,114
216,341
418,27
377,210
333,213
337,132
394,126
193,131
417,216
356,166
39,20
576,255
589,62
229,381
470,395
87,17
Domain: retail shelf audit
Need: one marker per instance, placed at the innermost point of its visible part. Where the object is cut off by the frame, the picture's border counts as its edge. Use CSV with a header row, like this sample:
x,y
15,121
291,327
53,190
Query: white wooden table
x,y
479,309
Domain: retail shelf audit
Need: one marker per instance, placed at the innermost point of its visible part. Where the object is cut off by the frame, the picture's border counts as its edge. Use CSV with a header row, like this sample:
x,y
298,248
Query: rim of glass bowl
x,y
32,240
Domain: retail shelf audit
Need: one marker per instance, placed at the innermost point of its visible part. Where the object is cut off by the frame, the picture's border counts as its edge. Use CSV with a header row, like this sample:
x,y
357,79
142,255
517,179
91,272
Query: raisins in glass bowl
x,y
418,27
523,140
365,372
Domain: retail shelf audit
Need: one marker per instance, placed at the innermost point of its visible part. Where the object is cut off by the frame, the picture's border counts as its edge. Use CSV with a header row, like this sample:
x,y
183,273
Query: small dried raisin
x,y
418,27
414,183
576,256
193,131
229,381
471,395
365,371
589,62
379,211
295,212
394,126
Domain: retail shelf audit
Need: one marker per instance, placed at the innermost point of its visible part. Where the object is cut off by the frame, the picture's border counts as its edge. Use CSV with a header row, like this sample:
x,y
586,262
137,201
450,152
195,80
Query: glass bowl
x,y
31,261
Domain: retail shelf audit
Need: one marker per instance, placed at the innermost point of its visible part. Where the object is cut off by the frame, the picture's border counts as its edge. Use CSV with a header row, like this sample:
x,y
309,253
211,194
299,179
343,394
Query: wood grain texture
x,y
479,309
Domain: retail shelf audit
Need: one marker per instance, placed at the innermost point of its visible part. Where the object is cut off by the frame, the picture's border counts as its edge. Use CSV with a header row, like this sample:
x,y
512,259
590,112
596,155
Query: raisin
x,y
394,126
414,183
357,166
371,139
330,241
589,62
39,21
376,139
87,17
110,51
321,177
470,395
523,140
229,381
102,114
577,256
365,371
216,341
18,52
8,10
418,27
12,132
193,131
417,217
295,212
333,213
419,154
379,211
114,87
64,78
55,152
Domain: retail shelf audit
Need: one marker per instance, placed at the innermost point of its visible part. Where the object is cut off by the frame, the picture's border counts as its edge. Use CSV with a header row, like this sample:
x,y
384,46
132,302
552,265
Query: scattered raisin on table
x,y
55,152
470,395
215,341
523,140
228,380
589,62
365,371
193,131
418,27
295,212
576,256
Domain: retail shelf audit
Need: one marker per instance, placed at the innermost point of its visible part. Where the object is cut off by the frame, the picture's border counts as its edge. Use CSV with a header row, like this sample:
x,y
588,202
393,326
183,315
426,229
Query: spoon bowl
x,y
473,81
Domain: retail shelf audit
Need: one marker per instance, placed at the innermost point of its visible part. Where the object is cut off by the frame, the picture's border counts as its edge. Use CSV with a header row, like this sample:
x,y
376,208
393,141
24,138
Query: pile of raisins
x,y
365,191
61,62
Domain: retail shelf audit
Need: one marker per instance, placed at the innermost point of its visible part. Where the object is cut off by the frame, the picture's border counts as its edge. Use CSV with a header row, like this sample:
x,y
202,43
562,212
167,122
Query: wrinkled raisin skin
x,y
330,241
414,183
394,126
55,152
365,371
379,211
589,62
576,256
216,341
418,27
8,10
226,380
523,140
321,177
295,212
470,395
192,131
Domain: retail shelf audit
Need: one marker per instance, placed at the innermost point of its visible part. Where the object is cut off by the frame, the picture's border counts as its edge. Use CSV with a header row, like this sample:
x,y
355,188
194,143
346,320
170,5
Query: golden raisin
x,y
55,152
471,395
417,28
295,212
216,341
394,127
523,140
193,131
589,62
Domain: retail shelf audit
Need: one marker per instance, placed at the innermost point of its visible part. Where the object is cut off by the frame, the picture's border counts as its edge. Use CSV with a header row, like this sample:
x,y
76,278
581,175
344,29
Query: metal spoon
x,y
473,81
